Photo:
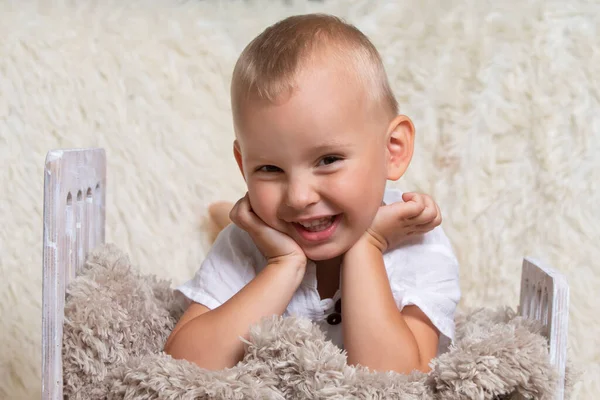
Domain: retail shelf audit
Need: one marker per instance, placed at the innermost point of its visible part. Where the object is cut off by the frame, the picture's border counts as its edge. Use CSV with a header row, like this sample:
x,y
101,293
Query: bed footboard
x,y
74,215
545,298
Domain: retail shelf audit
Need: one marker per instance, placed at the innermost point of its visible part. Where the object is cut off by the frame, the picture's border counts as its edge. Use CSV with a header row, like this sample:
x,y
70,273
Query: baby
x,y
318,234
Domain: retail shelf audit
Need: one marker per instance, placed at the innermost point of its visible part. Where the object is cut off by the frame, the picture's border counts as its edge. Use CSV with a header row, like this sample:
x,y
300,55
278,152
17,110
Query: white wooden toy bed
x,y
74,223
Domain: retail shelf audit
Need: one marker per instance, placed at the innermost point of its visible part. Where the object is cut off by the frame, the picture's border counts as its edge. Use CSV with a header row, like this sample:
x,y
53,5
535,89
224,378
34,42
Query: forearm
x,y
211,340
375,332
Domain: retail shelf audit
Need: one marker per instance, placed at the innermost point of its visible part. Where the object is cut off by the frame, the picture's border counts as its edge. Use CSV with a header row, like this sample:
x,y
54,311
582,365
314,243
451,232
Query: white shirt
x,y
422,272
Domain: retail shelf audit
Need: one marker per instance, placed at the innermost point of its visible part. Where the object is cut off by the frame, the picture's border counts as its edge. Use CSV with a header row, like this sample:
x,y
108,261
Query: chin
x,y
326,252
321,254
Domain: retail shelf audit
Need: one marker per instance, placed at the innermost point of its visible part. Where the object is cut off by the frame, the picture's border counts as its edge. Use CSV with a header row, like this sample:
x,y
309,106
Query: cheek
x,y
264,199
361,192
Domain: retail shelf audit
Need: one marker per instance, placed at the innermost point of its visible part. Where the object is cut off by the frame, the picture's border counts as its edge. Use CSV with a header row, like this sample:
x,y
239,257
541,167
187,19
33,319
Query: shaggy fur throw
x,y
117,320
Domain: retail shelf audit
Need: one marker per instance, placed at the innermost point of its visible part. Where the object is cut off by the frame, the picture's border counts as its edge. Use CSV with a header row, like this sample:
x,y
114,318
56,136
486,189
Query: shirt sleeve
x,y
425,272
227,268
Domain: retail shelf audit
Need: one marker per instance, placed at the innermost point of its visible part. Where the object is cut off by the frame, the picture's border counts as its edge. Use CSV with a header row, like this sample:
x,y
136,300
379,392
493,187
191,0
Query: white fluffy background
x,y
505,97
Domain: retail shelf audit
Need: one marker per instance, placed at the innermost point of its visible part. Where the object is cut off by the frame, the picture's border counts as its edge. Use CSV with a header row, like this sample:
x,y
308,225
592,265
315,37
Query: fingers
x,y
242,215
438,218
408,196
422,213
430,218
413,206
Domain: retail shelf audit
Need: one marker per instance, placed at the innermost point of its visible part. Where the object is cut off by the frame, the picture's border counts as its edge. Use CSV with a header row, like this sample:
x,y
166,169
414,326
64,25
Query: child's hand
x,y
396,222
276,246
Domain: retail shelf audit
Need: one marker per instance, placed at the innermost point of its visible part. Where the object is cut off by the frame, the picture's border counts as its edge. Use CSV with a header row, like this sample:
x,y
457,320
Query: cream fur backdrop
x,y
505,97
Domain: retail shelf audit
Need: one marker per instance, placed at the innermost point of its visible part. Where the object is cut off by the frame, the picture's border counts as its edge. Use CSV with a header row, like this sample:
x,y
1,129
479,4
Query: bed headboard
x,y
545,297
74,220
74,215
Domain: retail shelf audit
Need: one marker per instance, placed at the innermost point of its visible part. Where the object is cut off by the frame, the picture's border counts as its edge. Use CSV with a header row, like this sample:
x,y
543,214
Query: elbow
x,y
200,353
411,367
422,364
208,363
170,349
424,367
401,365
388,365
178,350
169,344
419,363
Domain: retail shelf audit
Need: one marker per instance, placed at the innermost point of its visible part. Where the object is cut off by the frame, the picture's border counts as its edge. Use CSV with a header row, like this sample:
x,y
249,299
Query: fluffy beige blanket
x,y
118,320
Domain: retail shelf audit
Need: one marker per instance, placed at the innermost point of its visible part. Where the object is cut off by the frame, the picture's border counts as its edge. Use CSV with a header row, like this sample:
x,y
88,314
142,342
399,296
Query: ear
x,y
237,153
399,146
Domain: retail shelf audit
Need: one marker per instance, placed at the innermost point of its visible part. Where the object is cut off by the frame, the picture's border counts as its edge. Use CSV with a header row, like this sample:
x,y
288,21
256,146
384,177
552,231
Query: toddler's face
x,y
315,163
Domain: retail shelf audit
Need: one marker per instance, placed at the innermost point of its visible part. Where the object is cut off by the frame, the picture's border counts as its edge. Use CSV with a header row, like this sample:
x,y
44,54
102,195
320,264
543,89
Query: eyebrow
x,y
320,149
325,147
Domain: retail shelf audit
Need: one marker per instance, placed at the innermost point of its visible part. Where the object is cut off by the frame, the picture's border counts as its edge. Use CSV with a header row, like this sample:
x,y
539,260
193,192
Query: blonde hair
x,y
269,65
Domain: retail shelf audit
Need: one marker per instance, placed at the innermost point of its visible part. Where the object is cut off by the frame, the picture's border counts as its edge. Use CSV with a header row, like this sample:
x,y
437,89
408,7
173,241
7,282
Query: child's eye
x,y
328,160
268,168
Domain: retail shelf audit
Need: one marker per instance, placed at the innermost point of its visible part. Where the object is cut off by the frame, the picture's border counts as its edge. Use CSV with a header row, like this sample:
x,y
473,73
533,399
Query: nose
x,y
301,193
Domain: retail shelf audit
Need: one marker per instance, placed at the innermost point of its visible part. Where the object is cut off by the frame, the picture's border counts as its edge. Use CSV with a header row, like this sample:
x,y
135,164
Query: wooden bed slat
x,y
74,215
545,297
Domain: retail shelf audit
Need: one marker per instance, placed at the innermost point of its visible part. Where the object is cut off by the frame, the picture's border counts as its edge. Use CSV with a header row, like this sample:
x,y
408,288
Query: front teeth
x,y
317,224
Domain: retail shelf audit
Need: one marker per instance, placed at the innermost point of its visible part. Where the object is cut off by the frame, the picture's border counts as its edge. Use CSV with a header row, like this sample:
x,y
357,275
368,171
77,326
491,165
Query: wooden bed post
x,y
545,298
74,215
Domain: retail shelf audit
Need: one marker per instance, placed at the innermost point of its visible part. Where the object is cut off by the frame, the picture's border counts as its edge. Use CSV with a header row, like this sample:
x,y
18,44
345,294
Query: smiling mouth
x,y
317,230
317,225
